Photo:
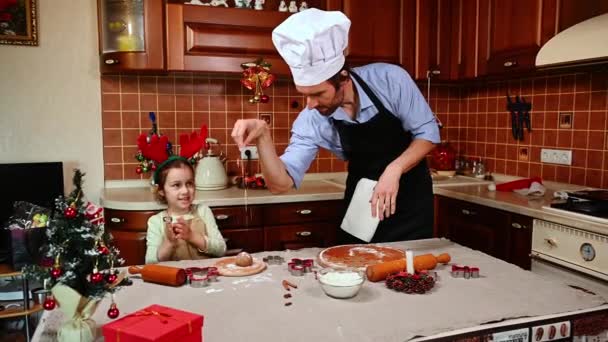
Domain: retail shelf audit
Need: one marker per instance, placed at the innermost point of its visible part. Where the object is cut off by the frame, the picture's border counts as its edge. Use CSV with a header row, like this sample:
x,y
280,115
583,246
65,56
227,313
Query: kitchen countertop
x,y
137,195
503,292
525,205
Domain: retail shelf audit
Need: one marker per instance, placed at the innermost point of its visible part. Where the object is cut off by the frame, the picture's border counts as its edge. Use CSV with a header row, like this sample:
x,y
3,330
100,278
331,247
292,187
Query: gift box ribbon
x,y
145,314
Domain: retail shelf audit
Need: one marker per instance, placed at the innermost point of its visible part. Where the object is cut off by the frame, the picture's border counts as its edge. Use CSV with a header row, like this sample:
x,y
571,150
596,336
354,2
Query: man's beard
x,y
336,103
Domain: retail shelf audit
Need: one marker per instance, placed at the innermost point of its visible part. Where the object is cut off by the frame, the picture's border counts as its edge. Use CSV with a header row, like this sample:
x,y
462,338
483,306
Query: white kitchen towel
x,y
358,220
535,189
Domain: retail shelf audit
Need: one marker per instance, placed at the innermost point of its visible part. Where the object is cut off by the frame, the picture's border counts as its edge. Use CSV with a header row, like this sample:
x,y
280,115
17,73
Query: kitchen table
x,y
253,308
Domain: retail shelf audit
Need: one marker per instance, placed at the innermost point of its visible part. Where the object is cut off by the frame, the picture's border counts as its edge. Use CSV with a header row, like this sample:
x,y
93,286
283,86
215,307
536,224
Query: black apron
x,y
369,148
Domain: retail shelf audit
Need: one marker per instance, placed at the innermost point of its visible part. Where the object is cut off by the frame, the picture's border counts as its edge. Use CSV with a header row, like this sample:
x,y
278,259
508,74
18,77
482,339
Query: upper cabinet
x,y
510,33
452,39
375,30
220,39
131,35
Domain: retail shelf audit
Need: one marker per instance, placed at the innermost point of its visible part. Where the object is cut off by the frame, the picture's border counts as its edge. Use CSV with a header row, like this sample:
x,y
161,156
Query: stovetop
x,y
592,203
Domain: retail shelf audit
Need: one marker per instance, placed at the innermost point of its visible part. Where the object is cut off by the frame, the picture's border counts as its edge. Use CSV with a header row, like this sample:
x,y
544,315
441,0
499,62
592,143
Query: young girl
x,y
183,231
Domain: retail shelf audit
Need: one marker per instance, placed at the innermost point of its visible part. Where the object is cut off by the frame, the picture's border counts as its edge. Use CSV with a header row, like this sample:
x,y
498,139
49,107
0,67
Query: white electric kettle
x,y
210,171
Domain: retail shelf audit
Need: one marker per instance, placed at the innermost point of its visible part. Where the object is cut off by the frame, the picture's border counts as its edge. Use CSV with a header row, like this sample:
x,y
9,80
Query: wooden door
x,y
464,39
511,33
520,241
153,56
203,38
375,31
433,39
297,236
477,227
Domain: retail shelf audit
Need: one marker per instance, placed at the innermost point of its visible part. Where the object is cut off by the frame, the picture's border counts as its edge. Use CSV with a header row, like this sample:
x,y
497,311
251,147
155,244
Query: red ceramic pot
x,y
443,157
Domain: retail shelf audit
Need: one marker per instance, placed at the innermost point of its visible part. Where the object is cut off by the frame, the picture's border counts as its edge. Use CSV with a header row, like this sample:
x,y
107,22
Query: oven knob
x,y
551,242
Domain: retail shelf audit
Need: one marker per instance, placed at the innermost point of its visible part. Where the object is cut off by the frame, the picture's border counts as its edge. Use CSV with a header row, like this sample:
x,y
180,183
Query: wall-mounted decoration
x,y
257,77
18,22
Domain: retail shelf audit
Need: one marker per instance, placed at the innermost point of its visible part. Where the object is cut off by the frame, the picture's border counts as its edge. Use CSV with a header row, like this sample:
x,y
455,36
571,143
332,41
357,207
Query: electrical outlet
x,y
267,118
252,149
562,157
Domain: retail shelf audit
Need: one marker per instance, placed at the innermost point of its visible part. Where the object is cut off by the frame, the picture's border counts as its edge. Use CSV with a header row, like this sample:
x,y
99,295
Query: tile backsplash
x,y
474,115
182,103
478,124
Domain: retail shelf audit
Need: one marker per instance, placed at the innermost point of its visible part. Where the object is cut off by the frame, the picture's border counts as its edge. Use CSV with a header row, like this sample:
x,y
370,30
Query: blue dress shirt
x,y
398,93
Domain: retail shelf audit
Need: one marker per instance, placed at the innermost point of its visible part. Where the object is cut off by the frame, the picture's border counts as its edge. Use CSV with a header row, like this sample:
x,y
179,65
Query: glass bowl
x,y
342,284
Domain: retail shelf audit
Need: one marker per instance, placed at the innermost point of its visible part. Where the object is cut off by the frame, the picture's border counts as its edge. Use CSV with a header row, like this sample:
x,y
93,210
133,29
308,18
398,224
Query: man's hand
x,y
384,198
248,130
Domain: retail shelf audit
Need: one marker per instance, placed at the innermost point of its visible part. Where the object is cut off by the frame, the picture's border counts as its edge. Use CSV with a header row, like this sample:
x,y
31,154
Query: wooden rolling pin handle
x,y
443,258
135,269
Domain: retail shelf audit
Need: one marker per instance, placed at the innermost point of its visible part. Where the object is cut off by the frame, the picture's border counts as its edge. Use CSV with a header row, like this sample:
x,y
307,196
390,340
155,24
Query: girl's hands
x,y
182,229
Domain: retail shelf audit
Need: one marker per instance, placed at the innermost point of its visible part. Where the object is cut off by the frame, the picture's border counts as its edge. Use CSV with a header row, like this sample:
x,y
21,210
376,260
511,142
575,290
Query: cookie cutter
x,y
201,276
298,267
465,272
273,259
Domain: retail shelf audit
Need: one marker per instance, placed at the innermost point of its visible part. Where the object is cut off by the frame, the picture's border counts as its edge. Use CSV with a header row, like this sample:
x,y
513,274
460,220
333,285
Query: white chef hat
x,y
312,43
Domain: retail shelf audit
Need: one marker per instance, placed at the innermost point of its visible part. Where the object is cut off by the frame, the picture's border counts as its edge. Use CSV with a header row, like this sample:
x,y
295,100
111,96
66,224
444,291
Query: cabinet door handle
x,y
304,211
117,220
222,217
112,61
468,212
551,242
509,64
517,225
303,234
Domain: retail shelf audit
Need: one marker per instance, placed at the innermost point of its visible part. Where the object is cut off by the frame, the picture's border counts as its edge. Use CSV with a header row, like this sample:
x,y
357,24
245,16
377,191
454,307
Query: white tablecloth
x,y
252,308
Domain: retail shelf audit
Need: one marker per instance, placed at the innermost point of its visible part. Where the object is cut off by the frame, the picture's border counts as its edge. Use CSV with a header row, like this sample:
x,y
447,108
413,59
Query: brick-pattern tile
x,y
480,125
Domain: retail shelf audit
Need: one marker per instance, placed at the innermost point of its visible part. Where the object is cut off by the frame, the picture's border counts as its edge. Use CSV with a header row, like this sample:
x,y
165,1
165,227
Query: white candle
x,y
409,261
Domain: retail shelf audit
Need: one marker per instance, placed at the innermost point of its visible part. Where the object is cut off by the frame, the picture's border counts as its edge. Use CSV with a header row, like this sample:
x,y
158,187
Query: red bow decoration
x,y
156,149
190,145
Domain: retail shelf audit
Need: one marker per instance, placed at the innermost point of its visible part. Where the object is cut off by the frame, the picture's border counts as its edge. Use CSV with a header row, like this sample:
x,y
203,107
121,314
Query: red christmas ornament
x,y
56,272
96,277
46,262
49,303
103,250
265,98
70,212
153,167
111,278
139,170
113,311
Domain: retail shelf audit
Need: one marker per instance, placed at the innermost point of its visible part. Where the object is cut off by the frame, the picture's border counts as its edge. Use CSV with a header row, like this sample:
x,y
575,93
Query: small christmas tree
x,y
79,254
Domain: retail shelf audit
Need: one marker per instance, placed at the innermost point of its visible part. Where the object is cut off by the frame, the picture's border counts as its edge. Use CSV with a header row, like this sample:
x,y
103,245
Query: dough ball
x,y
243,259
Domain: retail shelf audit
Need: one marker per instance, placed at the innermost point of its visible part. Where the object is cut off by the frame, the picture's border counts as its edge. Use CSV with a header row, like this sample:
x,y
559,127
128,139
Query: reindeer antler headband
x,y
156,148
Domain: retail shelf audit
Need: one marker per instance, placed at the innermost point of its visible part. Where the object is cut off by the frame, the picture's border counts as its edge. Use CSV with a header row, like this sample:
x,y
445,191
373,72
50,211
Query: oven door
x,y
571,256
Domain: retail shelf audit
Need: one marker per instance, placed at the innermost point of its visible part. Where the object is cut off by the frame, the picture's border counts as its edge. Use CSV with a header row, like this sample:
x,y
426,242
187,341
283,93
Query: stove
x,y
591,204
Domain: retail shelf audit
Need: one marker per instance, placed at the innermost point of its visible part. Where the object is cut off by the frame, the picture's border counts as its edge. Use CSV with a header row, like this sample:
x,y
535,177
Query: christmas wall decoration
x,y
257,77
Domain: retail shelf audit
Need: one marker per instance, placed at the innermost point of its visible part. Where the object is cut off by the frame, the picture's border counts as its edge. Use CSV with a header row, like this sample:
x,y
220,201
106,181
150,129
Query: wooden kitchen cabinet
x,y
375,31
520,241
253,228
433,41
506,236
131,36
478,227
129,231
301,225
241,227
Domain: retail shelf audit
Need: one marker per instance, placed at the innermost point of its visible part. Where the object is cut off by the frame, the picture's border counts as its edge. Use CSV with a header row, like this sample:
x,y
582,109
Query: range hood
x,y
583,43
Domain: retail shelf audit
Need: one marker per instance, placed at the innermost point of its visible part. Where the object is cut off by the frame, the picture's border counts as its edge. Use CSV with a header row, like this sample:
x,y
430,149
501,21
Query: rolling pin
x,y
164,275
421,262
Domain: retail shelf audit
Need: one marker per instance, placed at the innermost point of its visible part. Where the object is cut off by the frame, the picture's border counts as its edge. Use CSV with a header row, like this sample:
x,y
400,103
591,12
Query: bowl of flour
x,y
342,284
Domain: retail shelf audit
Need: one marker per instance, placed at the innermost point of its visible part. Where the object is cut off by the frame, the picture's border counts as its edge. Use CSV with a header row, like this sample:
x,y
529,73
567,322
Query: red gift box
x,y
156,323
